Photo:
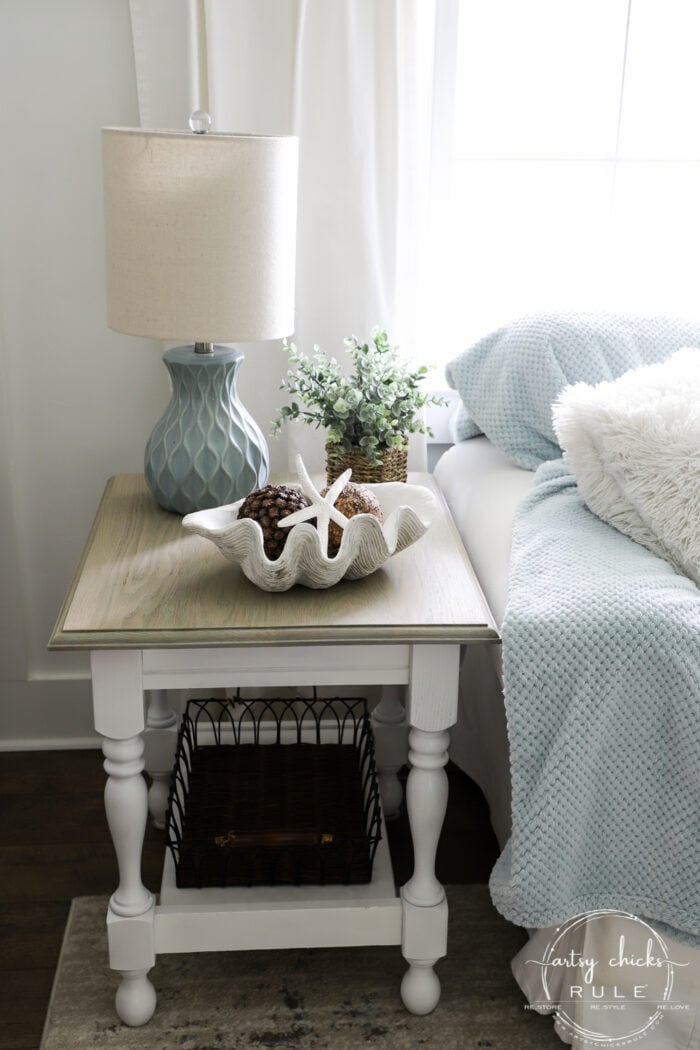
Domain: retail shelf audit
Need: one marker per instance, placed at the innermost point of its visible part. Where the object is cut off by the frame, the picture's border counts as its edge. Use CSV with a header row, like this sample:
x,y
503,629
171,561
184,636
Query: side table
x,y
160,609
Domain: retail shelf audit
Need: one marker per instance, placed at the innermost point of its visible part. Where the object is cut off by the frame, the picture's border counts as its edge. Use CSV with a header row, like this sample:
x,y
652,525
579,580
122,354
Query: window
x,y
574,164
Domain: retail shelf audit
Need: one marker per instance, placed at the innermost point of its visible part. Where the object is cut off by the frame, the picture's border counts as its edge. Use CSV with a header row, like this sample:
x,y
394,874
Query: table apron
x,y
276,666
119,677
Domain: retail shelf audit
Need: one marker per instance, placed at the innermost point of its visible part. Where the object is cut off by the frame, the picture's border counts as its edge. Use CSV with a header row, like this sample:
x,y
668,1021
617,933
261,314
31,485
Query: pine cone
x,y
267,506
354,499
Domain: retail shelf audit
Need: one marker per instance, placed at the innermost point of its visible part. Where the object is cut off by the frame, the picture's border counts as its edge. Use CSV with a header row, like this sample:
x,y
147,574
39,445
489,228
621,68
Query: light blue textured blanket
x,y
602,691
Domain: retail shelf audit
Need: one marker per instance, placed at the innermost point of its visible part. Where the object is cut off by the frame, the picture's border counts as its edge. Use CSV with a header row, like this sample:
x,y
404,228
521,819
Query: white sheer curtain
x,y
354,80
362,94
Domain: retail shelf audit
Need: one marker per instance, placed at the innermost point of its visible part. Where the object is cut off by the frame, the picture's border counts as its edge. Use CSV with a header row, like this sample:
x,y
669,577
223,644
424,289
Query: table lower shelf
x,y
243,918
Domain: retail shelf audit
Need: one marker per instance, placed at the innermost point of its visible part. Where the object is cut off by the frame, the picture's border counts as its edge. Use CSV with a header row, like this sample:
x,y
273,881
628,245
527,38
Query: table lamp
x,y
200,247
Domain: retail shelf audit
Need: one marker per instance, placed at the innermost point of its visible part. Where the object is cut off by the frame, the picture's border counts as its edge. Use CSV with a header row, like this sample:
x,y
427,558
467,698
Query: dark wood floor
x,y
54,845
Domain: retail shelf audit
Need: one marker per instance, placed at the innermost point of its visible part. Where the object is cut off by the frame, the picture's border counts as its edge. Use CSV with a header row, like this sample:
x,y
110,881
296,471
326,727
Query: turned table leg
x,y
161,742
119,718
390,733
432,708
126,806
425,909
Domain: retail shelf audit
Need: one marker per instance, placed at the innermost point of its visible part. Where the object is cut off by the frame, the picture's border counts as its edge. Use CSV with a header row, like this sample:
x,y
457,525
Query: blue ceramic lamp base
x,y
206,450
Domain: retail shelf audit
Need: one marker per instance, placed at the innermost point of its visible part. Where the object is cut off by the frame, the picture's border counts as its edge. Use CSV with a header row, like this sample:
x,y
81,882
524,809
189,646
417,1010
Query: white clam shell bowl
x,y
367,543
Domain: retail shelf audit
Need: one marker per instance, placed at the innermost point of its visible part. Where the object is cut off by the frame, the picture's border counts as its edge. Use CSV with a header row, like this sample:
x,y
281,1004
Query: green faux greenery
x,y
374,408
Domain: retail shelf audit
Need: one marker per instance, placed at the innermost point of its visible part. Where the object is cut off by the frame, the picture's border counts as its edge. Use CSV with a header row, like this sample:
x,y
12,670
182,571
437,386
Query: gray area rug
x,y
340,998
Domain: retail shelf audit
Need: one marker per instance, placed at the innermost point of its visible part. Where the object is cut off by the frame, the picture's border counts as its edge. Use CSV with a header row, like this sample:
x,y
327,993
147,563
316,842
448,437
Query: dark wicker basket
x,y
274,792
393,466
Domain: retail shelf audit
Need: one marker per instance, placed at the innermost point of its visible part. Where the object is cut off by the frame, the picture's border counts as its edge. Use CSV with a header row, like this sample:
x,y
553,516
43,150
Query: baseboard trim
x,y
53,676
75,743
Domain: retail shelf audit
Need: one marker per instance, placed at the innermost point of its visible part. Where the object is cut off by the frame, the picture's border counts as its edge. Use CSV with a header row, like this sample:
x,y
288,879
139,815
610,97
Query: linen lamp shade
x,y
200,234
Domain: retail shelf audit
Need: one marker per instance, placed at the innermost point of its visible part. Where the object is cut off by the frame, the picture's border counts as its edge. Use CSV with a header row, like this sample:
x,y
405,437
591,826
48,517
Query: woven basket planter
x,y
393,466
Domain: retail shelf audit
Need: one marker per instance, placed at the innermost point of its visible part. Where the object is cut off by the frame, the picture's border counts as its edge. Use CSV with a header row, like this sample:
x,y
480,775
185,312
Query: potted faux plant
x,y
367,414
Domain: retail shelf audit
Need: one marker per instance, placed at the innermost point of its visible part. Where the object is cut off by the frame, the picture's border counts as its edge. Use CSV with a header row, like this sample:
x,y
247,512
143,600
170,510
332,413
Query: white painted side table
x,y
160,609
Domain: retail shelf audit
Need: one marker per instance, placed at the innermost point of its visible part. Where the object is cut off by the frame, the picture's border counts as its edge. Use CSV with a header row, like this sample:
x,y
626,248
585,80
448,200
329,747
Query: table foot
x,y
135,1001
420,987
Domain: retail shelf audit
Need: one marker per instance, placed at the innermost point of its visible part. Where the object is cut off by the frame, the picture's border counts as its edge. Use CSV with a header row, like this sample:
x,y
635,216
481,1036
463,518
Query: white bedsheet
x,y
483,489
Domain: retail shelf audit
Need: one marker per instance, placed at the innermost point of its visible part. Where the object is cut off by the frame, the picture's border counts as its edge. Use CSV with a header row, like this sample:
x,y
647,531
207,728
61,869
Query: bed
x,y
484,489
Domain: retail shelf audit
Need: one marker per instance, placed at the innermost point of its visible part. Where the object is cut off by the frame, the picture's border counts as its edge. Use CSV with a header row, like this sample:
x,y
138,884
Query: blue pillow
x,y
461,426
509,380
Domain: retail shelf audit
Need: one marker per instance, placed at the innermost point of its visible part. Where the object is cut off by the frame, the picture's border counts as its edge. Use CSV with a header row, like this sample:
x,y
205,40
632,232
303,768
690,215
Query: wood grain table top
x,y
144,582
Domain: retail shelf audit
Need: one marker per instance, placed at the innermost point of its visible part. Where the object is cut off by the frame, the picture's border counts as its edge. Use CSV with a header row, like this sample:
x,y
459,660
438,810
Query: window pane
x,y
541,216
655,236
662,81
524,237
539,78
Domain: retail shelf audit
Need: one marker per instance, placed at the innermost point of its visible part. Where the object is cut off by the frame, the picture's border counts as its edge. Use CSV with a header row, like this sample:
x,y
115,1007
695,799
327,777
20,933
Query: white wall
x,y
77,401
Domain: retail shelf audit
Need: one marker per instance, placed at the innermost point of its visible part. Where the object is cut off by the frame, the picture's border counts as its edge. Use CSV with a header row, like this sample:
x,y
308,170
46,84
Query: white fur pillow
x,y
633,445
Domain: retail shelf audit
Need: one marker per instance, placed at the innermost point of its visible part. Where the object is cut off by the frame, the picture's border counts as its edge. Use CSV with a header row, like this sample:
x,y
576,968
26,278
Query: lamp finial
x,y
200,122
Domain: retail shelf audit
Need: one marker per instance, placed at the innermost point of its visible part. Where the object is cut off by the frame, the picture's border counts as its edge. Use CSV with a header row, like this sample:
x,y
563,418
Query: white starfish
x,y
321,507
